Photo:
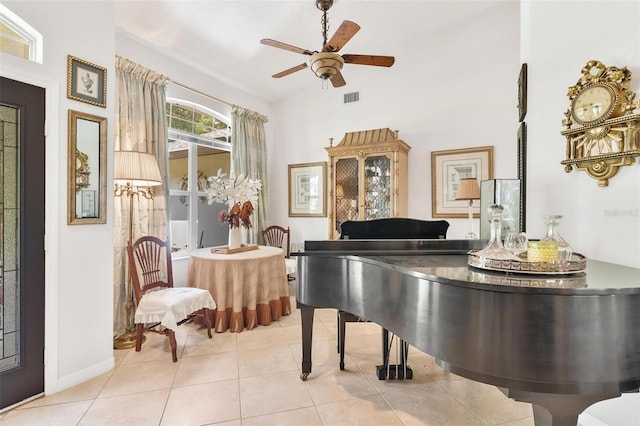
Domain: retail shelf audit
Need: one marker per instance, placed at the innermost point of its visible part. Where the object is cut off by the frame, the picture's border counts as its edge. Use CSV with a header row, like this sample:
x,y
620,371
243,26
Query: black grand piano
x,y
560,342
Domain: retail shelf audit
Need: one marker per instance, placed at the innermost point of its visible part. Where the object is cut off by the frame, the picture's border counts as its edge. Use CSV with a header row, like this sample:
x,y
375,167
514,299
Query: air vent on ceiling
x,y
351,97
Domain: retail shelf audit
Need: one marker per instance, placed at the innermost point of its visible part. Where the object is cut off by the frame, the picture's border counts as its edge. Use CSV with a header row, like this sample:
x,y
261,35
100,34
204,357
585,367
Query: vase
x,y
234,237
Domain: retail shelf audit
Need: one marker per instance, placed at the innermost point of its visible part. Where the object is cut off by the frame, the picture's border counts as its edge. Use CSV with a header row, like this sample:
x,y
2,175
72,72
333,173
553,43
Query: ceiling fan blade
x,y
342,35
379,61
337,80
290,70
285,46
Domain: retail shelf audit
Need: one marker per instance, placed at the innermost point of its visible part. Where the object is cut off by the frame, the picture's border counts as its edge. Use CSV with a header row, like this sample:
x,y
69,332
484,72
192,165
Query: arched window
x,y
19,38
199,145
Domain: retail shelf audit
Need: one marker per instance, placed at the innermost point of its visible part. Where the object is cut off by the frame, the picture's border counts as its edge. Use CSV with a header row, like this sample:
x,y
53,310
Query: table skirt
x,y
249,288
264,314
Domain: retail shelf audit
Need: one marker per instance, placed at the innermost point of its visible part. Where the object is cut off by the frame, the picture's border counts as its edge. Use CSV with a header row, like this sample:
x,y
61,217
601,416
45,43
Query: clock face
x,y
592,104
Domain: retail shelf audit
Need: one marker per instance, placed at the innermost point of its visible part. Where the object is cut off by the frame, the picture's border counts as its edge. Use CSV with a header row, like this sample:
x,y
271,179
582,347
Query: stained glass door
x,y
22,241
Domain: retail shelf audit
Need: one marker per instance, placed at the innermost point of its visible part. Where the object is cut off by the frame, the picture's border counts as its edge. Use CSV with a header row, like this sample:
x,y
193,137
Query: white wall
x,y
79,258
455,90
558,39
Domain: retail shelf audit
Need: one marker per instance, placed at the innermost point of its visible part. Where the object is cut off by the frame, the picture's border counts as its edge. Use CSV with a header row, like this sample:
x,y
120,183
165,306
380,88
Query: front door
x,y
22,161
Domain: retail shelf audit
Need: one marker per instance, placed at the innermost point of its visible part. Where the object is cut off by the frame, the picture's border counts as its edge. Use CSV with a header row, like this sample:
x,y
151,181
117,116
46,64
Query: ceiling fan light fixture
x,y
325,64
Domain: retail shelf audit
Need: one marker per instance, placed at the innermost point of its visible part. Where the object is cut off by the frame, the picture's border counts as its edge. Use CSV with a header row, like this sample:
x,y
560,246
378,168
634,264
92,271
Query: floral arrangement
x,y
240,194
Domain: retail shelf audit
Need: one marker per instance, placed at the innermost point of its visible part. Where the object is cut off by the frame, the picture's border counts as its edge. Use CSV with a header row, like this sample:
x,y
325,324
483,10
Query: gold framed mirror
x,y
86,169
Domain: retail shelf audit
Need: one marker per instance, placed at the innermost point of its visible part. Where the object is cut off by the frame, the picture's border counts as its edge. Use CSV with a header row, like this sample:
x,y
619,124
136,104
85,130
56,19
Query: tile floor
x,y
252,378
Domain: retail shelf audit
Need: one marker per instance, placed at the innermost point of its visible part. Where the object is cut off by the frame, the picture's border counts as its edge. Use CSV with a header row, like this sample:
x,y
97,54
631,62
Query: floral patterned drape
x,y
249,158
140,126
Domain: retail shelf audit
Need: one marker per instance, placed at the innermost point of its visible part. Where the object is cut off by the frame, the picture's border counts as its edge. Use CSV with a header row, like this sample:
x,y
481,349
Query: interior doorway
x,y
22,290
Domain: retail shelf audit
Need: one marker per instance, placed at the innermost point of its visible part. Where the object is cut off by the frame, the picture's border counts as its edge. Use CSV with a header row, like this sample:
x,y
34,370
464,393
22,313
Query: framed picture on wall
x,y
86,82
448,168
307,190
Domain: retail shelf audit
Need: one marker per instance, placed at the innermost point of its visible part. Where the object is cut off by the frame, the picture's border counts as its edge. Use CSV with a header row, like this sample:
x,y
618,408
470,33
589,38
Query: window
x,y
19,38
199,146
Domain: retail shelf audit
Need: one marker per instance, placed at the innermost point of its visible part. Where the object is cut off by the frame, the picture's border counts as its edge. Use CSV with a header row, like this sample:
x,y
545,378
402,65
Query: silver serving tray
x,y
575,265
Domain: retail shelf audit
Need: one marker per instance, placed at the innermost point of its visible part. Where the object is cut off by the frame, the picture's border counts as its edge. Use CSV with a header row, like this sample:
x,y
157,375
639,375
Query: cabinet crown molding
x,y
363,138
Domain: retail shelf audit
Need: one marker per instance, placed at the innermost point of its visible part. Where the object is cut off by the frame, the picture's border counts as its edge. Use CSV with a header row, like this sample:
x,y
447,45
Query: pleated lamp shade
x,y
468,189
136,168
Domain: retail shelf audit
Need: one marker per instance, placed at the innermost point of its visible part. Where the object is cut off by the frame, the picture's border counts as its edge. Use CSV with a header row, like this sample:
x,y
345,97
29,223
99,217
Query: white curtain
x,y
140,126
249,158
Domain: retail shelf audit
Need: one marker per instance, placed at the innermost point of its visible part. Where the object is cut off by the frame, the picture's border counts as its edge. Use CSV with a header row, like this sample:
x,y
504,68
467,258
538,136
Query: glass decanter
x,y
553,223
494,248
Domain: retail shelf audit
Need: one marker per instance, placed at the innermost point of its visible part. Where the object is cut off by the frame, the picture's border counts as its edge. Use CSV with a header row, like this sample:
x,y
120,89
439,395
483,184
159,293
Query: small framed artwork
x,y
522,173
522,92
448,168
307,190
86,82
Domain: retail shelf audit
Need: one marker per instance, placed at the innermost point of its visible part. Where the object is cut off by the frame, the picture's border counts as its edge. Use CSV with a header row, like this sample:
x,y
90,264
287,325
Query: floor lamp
x,y
134,175
469,190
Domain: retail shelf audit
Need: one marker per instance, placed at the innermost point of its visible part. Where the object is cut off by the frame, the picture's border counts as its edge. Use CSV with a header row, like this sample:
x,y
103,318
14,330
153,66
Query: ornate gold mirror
x,y
602,132
87,169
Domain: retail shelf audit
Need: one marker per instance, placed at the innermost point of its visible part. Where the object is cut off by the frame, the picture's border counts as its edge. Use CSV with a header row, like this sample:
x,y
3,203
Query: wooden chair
x,y
277,236
160,307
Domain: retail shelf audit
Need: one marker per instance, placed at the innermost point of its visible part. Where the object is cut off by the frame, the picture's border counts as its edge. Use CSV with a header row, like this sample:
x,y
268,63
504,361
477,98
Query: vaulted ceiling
x,y
222,37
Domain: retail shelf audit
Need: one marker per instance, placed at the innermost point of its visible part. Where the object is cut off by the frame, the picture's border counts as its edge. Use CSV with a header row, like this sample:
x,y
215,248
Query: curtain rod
x,y
202,93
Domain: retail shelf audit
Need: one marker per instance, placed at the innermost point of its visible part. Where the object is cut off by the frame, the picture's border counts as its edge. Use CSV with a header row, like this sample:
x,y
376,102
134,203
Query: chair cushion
x,y
292,265
169,306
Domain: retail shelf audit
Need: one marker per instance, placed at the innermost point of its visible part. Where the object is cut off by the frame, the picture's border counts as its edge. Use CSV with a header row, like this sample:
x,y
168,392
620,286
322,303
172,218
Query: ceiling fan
x,y
327,63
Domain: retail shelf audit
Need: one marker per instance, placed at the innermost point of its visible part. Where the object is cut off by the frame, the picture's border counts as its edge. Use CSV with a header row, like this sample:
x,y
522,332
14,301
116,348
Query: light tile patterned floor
x,y
252,378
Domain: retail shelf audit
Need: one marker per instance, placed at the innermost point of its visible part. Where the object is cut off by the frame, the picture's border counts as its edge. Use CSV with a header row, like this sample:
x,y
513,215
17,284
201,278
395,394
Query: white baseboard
x,y
84,375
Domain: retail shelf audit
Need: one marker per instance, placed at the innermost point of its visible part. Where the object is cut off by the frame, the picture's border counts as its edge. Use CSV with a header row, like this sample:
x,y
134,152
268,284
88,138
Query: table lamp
x,y
134,173
469,189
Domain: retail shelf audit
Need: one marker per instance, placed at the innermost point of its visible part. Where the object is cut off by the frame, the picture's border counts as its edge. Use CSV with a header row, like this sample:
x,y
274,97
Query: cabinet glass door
x,y
347,193
377,187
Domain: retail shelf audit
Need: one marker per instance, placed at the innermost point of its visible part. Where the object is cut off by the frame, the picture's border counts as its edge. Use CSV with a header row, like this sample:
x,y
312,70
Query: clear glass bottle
x,y
516,242
553,234
494,248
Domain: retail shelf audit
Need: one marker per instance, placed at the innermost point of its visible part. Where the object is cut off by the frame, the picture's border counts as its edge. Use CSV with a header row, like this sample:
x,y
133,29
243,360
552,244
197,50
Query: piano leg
x,y
306,315
556,409
342,328
385,347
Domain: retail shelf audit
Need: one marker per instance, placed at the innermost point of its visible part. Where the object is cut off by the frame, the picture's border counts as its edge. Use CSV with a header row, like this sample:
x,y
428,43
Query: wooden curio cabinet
x,y
367,177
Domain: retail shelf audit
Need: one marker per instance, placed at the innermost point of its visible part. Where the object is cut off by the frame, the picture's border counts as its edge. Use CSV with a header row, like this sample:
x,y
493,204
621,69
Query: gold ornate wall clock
x,y
602,132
